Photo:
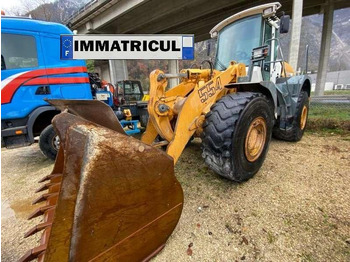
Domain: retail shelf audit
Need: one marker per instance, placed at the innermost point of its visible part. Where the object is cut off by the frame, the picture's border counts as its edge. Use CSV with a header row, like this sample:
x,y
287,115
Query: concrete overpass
x,y
196,17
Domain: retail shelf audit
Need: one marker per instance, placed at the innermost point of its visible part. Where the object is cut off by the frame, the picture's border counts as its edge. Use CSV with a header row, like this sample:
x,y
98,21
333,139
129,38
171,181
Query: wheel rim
x,y
255,139
303,118
56,142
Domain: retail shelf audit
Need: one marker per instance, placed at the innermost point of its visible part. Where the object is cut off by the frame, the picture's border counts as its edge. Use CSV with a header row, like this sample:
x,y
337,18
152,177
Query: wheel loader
x,y
111,197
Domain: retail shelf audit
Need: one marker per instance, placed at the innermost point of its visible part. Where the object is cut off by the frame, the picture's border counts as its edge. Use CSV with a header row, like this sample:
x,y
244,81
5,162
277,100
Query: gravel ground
x,y
297,208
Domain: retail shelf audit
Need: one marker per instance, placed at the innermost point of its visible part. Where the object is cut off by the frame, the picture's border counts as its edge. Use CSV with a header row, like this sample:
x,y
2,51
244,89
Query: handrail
x,y
81,10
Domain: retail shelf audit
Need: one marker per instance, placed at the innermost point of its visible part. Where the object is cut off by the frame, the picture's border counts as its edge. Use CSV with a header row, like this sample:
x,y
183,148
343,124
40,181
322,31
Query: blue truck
x,y
32,72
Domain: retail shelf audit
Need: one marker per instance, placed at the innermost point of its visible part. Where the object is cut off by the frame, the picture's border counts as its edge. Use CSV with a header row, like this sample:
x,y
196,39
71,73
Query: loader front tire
x,y
49,142
236,135
296,132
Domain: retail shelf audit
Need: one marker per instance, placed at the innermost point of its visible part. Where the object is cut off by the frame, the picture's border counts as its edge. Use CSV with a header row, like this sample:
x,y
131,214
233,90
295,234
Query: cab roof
x,y
28,24
248,12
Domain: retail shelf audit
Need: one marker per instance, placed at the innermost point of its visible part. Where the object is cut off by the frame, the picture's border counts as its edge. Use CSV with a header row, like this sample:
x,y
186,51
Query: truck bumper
x,y
16,137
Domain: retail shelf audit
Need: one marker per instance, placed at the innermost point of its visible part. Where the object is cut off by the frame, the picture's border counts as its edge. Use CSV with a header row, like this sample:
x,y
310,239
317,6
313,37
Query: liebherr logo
x,y
127,47
209,90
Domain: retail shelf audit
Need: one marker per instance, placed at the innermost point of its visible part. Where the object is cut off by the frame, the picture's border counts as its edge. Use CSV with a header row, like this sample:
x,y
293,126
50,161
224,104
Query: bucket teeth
x,y
44,197
37,228
49,177
40,211
33,253
45,186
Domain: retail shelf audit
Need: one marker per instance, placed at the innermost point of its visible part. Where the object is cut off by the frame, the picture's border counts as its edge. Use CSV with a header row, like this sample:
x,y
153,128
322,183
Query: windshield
x,y
132,91
237,40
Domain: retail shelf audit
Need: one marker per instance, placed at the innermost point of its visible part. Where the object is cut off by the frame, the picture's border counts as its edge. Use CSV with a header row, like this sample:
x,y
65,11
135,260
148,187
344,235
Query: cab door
x,y
68,79
24,81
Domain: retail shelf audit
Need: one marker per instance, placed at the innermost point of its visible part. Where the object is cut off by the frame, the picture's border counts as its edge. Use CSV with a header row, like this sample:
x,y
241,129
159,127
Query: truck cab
x,y
31,72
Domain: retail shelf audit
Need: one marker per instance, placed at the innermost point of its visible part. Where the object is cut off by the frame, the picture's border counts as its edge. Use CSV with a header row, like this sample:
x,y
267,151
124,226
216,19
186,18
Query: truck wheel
x,y
49,142
236,135
296,132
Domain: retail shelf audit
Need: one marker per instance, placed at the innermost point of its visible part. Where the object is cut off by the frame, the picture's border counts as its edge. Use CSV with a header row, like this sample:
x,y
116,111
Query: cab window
x,y
127,88
136,88
237,40
15,54
132,91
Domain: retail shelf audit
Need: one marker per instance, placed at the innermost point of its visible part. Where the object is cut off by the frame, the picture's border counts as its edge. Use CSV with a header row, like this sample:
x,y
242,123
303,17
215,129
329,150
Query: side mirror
x,y
284,24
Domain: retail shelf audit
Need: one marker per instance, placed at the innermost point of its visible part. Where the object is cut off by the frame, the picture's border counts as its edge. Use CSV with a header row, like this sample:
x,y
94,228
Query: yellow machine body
x,y
178,114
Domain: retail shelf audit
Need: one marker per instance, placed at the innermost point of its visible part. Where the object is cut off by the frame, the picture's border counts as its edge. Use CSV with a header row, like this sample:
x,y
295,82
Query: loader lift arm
x,y
178,113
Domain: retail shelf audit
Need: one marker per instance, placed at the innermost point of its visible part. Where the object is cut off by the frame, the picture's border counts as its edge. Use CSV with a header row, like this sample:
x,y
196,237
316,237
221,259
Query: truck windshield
x,y
237,40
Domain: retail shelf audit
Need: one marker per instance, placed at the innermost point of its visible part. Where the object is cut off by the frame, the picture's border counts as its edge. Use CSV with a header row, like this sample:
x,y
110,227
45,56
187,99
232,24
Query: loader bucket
x,y
110,197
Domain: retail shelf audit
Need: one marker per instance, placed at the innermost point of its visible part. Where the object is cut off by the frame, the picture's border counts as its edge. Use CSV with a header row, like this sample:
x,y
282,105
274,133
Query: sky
x,y
9,5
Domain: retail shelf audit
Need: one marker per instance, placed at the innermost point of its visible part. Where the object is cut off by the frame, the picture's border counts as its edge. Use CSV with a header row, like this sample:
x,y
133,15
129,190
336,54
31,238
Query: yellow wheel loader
x,y
112,197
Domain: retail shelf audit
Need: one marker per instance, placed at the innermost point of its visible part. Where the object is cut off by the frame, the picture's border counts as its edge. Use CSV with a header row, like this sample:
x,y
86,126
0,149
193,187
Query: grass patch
x,y
329,118
329,126
329,111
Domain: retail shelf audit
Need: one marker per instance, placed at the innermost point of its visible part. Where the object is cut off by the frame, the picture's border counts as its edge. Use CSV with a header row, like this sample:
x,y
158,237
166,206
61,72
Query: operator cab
x,y
128,91
250,37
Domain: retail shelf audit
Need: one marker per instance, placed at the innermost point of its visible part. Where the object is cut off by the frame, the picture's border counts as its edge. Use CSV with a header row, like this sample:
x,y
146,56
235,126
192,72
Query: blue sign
x,y
67,47
187,48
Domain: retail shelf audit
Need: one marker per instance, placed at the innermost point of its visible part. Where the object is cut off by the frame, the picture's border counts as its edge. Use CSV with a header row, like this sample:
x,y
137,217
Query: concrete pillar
x,y
118,70
105,73
325,48
173,69
295,34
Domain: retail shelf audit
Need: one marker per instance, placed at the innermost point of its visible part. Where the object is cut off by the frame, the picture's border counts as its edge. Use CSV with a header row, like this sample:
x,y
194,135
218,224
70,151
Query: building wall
x,y
333,78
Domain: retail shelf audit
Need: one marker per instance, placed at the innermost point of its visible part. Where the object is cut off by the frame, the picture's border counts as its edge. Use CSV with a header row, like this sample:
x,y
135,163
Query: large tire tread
x,y
219,129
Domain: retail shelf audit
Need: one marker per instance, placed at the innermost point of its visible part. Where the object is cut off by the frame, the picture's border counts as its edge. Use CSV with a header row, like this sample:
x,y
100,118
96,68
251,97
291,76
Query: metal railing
x,y
82,9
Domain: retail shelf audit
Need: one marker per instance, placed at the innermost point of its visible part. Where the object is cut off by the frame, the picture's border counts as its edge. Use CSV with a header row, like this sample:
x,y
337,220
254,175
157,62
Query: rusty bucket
x,y
110,197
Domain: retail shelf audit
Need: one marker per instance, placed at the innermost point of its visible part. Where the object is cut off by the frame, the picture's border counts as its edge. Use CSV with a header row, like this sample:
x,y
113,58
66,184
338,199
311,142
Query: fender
x,y
267,88
293,85
304,83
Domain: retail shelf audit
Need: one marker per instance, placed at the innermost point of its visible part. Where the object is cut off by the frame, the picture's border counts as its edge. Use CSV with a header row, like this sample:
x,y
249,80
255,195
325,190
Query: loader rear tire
x,y
296,132
227,134
49,142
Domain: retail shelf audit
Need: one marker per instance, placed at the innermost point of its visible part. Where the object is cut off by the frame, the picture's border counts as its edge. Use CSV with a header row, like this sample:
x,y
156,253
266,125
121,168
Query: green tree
x,y
90,66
